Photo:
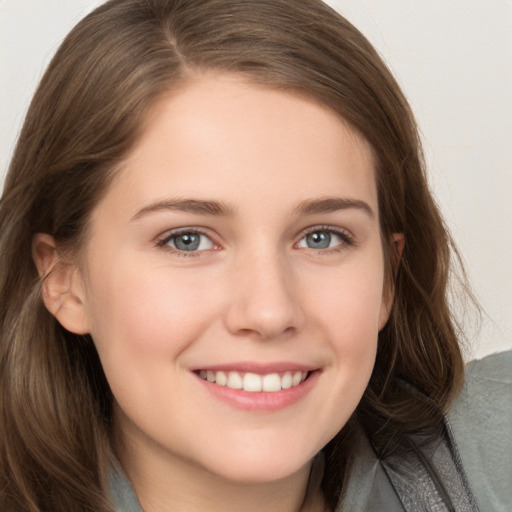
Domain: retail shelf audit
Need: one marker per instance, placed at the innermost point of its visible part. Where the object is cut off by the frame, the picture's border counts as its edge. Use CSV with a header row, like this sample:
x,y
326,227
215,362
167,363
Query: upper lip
x,y
258,368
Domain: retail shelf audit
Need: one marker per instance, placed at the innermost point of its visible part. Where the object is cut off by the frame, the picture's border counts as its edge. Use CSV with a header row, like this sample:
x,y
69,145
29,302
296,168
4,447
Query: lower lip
x,y
262,401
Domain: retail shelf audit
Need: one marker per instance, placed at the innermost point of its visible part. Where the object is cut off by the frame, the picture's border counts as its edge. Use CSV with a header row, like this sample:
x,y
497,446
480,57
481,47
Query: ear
x,y
63,289
388,294
398,244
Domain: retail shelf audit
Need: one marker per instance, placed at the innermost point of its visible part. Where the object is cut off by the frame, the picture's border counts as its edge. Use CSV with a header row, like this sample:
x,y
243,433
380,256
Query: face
x,y
234,281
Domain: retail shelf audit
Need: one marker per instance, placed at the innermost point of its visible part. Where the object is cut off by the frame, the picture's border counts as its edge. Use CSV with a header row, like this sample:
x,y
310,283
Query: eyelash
x,y
347,240
168,237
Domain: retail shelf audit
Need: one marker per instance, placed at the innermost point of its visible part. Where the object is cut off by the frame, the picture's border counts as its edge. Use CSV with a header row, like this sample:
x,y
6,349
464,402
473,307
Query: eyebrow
x,y
333,204
219,209
201,207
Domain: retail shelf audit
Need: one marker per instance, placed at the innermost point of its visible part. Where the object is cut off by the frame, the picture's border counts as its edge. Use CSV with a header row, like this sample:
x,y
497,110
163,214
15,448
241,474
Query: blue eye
x,y
323,239
188,241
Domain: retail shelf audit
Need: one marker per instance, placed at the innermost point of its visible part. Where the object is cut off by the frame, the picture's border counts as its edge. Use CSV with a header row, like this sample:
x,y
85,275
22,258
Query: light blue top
x,y
482,422
481,419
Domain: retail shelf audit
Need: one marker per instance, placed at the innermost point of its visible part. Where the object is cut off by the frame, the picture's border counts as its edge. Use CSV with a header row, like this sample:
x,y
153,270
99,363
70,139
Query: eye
x,y
188,241
324,239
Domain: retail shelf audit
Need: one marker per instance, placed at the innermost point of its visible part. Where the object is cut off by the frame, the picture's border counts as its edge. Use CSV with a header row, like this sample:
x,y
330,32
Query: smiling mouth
x,y
253,382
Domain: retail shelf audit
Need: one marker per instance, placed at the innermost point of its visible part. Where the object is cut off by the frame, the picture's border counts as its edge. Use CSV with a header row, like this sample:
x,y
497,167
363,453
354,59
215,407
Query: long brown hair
x,y
89,109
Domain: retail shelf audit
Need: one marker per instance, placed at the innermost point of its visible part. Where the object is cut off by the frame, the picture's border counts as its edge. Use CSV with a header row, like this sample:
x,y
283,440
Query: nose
x,y
263,300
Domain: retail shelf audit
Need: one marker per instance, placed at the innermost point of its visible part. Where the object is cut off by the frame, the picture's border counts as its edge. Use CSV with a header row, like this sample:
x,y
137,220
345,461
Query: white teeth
x,y
221,378
234,381
297,378
286,381
271,382
253,382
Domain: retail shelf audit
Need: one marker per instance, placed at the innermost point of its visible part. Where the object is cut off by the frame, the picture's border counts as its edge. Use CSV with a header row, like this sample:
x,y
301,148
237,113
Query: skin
x,y
254,292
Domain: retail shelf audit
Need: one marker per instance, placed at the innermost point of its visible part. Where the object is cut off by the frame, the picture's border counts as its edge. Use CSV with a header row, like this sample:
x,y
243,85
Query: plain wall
x,y
454,62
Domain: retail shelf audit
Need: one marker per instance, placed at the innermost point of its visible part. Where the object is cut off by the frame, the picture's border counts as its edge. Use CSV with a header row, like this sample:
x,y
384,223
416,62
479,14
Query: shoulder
x,y
495,367
486,396
481,419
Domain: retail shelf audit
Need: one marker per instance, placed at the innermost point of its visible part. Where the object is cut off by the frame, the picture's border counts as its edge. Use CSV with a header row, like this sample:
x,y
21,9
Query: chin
x,y
253,473
260,464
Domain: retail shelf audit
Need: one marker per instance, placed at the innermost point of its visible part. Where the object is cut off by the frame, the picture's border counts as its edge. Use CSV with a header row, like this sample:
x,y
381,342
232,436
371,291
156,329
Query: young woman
x,y
223,278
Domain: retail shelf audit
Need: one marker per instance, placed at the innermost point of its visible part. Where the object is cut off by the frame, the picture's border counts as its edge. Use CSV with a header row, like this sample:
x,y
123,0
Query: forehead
x,y
221,134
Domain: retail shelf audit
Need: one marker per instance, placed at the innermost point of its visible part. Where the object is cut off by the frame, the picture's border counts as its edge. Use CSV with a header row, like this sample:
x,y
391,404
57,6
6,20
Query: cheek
x,y
345,308
349,301
348,309
143,320
140,314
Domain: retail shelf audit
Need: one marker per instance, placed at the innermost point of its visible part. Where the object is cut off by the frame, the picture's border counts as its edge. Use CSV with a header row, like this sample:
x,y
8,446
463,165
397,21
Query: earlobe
x,y
62,285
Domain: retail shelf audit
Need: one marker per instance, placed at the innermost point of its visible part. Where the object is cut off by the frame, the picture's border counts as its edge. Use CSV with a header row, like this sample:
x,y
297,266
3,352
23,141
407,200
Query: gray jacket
x,y
472,464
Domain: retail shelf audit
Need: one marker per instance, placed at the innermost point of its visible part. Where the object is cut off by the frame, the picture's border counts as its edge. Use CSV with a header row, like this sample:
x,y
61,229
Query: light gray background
x,y
454,61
